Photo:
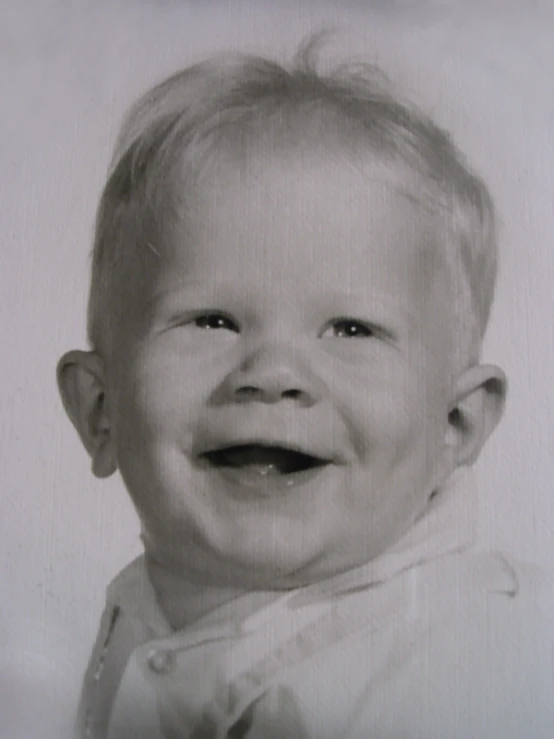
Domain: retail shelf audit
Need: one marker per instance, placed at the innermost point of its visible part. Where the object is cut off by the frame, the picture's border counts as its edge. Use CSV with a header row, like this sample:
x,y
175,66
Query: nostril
x,y
271,394
248,390
292,393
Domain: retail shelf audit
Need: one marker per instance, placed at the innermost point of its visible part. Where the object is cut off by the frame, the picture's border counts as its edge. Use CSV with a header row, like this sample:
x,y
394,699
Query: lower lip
x,y
253,483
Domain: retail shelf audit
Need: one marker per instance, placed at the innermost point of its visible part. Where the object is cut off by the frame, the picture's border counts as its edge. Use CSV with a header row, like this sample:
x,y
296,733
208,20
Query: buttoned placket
x,y
240,683
225,714
156,667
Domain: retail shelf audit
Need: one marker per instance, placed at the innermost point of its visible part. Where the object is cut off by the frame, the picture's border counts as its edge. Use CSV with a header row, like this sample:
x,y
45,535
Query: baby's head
x,y
292,275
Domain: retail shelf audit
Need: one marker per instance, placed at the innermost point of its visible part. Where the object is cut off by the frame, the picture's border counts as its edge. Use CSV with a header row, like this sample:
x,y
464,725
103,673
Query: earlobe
x,y
478,407
81,382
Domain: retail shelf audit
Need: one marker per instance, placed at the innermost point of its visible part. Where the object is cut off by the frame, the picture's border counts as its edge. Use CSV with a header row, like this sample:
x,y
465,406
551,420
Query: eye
x,y
348,328
214,321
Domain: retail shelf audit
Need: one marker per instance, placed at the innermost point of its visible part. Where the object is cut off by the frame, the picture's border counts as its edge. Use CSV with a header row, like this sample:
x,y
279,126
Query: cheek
x,y
382,396
158,396
393,409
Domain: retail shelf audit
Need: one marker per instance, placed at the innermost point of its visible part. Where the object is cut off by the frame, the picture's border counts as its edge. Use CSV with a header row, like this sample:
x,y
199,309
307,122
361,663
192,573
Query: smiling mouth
x,y
266,460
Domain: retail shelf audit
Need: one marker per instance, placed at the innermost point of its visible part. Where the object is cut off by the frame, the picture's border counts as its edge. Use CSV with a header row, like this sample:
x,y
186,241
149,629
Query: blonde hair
x,y
176,128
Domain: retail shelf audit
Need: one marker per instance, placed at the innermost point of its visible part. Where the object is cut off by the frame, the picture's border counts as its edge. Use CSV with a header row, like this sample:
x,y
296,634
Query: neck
x,y
184,600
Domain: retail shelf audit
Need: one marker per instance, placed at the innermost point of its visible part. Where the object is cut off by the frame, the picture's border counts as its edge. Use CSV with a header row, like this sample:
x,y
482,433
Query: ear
x,y
480,397
81,382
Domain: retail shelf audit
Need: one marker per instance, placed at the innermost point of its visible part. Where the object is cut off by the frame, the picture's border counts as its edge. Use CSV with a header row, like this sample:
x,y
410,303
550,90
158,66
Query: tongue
x,y
265,460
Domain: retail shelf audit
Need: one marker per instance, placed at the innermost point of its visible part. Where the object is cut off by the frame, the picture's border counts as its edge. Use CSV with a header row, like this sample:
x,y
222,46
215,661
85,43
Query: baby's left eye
x,y
350,329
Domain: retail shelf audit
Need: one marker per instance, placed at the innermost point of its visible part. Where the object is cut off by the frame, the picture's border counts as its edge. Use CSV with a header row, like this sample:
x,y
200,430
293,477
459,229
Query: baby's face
x,y
280,403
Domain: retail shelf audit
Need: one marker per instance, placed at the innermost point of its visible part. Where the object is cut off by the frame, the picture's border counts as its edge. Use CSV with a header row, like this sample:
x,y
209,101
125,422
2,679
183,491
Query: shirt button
x,y
160,661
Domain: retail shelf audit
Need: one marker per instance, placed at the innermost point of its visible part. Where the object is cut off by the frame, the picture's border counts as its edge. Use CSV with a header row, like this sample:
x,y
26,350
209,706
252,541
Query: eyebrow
x,y
182,285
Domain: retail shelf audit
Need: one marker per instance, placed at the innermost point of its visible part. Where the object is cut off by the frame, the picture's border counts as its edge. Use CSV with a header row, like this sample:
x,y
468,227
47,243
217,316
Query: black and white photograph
x,y
277,420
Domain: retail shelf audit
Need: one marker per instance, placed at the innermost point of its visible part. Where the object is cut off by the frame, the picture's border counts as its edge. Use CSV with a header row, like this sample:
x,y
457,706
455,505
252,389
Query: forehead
x,y
292,212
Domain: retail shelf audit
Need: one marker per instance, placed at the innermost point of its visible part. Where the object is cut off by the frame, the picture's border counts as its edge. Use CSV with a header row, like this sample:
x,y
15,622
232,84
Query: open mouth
x,y
264,459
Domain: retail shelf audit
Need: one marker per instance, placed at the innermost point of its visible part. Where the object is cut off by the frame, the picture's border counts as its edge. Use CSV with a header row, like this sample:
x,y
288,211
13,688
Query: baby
x,y
292,275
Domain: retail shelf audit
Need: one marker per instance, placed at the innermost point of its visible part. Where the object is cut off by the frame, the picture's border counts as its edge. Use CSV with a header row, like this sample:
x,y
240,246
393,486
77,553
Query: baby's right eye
x,y
215,321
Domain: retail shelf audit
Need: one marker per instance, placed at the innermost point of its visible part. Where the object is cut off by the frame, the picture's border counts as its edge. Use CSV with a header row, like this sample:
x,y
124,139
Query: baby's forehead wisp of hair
x,y
223,105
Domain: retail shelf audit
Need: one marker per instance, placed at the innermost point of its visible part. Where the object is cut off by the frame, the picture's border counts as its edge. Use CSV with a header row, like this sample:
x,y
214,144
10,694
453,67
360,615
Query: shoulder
x,y
481,662
471,655
127,582
489,603
493,580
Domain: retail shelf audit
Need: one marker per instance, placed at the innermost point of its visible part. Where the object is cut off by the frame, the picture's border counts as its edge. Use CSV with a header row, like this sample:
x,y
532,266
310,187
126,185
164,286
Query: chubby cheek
x,y
161,392
397,451
152,428
383,408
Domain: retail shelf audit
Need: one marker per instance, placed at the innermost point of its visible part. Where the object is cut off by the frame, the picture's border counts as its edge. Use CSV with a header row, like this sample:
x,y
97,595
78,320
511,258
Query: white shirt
x,y
429,641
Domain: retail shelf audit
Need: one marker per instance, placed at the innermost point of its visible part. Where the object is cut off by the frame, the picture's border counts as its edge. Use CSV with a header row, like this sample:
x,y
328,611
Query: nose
x,y
270,374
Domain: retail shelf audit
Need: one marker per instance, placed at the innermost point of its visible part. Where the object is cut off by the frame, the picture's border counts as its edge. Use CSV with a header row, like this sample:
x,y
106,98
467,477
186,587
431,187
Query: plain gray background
x,y
68,70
